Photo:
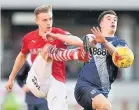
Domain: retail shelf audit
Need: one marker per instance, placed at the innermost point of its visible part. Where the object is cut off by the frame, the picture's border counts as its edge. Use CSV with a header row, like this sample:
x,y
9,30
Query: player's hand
x,y
49,36
25,88
83,56
98,35
9,85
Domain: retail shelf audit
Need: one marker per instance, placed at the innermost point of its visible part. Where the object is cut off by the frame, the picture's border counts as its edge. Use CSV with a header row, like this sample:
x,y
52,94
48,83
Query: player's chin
x,y
48,29
112,30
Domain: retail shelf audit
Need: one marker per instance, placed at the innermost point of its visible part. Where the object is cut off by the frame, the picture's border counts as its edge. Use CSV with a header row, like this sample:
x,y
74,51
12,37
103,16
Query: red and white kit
x,y
47,79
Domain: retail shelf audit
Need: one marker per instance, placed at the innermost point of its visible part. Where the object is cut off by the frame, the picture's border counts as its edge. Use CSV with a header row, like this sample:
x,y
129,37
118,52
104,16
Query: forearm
x,y
70,39
109,47
20,60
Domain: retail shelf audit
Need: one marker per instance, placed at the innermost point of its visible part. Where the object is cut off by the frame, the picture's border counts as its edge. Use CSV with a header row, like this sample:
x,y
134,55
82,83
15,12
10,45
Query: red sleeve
x,y
24,48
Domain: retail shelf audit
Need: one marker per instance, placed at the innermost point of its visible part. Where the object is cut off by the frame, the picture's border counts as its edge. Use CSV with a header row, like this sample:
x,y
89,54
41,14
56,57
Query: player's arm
x,y
20,60
70,39
109,47
67,38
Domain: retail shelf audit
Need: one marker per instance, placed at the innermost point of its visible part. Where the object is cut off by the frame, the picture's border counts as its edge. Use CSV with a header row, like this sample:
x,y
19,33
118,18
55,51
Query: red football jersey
x,y
33,42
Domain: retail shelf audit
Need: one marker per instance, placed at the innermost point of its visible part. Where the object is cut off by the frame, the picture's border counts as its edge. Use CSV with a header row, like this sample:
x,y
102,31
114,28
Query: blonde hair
x,y
43,9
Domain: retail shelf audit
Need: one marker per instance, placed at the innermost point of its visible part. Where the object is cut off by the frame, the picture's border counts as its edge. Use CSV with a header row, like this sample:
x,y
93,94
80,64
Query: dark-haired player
x,y
95,78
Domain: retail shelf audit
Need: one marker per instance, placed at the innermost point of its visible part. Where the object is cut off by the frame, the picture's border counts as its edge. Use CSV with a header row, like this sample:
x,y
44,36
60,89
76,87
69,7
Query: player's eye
x,y
50,18
115,19
45,20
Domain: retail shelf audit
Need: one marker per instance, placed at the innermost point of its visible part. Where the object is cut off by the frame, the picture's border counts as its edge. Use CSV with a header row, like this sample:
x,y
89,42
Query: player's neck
x,y
106,34
41,33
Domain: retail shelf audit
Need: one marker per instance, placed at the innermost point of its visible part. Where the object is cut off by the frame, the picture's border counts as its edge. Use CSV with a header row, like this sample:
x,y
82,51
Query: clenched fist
x,y
9,85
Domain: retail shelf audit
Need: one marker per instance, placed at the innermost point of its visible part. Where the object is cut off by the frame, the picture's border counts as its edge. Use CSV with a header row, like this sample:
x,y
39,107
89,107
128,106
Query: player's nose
x,y
113,21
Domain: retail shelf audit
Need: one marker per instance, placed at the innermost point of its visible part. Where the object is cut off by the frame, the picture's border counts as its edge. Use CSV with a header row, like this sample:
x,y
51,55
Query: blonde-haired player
x,y
33,42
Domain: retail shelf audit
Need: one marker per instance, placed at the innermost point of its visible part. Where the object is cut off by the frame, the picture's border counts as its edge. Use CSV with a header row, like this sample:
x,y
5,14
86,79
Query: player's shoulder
x,y
118,41
58,30
30,34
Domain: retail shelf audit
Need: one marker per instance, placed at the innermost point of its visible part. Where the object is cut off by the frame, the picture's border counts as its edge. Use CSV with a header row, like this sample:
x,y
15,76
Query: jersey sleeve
x,y
24,48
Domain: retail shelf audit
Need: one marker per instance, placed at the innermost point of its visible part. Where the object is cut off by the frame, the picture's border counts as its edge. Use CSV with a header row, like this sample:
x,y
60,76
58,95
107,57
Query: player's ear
x,y
36,20
101,24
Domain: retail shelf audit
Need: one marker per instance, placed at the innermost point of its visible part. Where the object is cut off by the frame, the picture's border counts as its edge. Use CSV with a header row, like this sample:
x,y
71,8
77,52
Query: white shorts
x,y
43,85
57,96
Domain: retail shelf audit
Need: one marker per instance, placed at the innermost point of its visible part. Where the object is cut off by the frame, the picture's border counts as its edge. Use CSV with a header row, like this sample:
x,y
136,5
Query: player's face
x,y
109,23
44,21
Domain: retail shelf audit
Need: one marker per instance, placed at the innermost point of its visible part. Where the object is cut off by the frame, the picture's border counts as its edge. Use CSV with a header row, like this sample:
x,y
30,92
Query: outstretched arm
x,y
69,39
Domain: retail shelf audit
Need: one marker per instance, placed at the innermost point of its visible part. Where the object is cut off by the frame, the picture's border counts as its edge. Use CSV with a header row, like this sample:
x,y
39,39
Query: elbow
x,y
79,42
21,55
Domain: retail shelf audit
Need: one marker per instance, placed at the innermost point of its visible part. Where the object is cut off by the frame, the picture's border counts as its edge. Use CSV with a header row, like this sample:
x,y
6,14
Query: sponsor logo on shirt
x,y
33,41
99,51
93,92
35,51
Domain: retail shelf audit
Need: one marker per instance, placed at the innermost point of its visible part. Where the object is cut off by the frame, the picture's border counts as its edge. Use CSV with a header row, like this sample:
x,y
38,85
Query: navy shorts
x,y
84,95
42,106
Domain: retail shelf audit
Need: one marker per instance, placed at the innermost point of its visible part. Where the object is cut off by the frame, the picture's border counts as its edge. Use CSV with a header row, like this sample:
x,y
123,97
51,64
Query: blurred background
x,y
77,17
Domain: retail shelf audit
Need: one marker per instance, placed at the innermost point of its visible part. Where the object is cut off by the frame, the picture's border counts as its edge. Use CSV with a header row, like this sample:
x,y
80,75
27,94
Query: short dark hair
x,y
43,9
104,13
